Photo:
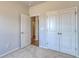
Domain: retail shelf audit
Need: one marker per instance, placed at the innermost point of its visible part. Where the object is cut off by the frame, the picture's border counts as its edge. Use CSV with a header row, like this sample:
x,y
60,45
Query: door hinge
x,y
75,12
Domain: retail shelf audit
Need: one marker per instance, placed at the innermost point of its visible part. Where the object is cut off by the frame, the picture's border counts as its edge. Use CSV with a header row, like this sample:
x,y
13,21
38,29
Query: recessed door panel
x,y
67,44
53,41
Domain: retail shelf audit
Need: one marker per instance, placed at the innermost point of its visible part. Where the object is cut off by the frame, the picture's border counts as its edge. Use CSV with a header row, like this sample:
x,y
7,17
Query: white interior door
x,y
25,30
52,31
67,41
42,31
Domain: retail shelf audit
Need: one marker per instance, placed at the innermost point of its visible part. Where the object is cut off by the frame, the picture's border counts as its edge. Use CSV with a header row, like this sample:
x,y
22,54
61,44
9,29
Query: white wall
x,y
10,25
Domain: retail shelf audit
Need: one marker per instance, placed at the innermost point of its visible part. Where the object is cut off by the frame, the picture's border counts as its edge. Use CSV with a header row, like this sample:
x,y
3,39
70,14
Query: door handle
x,y
59,33
22,32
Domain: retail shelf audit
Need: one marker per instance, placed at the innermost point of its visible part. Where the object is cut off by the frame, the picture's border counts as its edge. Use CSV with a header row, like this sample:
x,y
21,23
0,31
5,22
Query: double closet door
x,y
57,31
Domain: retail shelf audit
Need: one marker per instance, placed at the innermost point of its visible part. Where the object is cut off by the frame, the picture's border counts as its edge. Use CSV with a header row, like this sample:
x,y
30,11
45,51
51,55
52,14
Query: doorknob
x,y
59,33
22,32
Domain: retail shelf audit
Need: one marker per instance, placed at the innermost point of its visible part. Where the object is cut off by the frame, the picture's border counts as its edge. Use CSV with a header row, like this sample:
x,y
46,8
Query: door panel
x,y
67,44
25,31
52,29
53,41
67,40
42,31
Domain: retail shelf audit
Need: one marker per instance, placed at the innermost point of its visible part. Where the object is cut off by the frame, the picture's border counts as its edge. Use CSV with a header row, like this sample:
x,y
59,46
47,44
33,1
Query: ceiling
x,y
33,3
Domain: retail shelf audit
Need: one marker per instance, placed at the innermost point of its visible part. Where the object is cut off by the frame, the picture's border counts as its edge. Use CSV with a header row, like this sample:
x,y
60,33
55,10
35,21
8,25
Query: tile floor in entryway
x,y
36,52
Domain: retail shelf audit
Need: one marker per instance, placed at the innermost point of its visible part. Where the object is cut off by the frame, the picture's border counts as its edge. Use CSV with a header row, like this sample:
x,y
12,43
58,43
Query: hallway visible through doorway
x,y
34,30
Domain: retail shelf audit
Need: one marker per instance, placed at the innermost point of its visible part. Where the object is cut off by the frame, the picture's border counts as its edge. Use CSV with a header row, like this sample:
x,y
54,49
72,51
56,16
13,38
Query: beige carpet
x,y
36,52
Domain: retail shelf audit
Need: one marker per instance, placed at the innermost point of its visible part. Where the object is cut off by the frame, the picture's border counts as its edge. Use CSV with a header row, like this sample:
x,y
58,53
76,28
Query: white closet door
x,y
25,31
67,41
42,31
52,31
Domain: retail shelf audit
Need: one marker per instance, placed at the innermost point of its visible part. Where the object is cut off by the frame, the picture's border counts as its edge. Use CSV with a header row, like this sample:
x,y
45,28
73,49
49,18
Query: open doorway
x,y
35,30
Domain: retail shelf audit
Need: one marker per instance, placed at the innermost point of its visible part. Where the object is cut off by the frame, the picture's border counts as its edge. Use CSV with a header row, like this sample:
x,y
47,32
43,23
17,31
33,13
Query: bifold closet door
x,y
42,31
52,31
68,27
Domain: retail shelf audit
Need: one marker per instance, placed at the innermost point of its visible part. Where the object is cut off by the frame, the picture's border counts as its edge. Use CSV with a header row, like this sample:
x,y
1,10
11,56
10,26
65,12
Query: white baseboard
x,y
8,52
